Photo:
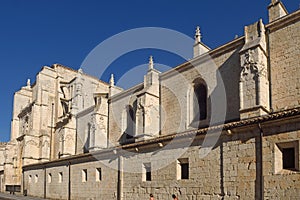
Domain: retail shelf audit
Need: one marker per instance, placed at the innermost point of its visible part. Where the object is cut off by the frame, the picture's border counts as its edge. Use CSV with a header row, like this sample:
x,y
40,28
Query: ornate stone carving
x,y
101,123
65,100
69,137
251,66
32,143
26,125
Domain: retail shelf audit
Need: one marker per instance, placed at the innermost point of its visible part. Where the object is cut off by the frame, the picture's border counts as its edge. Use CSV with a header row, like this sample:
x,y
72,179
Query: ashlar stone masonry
x,y
74,136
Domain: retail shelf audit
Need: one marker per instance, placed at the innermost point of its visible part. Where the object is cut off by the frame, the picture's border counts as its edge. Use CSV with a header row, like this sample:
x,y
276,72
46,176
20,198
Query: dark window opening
x,y
130,122
147,172
98,174
148,175
84,175
288,158
201,98
184,171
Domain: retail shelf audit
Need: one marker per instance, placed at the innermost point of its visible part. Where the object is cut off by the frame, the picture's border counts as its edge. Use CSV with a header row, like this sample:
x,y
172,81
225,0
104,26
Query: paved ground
x,y
6,196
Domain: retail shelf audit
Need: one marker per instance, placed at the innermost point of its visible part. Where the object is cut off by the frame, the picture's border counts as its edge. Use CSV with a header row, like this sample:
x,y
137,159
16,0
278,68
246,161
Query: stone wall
x,y
248,161
280,183
220,70
284,62
118,114
100,182
83,122
228,171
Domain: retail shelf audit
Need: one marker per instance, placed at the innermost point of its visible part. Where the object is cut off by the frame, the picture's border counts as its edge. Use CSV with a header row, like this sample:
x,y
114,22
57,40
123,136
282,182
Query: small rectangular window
x,y
60,177
36,178
84,175
29,178
286,156
148,175
147,172
183,168
98,174
185,171
49,178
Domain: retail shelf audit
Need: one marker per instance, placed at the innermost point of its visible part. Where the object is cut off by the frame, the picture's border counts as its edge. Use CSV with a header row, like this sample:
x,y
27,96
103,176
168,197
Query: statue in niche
x,y
65,99
140,117
249,64
65,107
25,125
101,124
91,137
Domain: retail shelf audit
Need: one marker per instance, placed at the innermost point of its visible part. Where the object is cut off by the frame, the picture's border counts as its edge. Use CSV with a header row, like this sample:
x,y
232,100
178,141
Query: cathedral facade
x,y
231,131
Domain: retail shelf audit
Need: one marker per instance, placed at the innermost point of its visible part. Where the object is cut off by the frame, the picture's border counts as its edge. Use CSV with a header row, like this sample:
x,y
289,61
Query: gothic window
x,y
201,99
130,122
198,102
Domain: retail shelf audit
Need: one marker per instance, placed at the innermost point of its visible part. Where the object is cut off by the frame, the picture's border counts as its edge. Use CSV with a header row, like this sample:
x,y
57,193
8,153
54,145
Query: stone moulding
x,y
163,139
284,21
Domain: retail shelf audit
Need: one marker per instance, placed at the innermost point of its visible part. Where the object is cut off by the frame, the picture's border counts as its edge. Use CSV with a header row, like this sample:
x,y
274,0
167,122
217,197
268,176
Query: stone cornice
x,y
86,111
266,119
239,42
127,92
276,3
284,21
73,70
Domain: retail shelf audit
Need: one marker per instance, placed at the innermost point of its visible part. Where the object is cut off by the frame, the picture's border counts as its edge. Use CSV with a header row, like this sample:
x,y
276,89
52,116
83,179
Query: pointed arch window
x,y
201,100
198,103
130,122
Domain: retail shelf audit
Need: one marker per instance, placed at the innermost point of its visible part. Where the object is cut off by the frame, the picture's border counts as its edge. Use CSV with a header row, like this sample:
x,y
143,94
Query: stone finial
x,y
112,80
261,27
276,10
28,83
198,35
199,48
80,70
151,63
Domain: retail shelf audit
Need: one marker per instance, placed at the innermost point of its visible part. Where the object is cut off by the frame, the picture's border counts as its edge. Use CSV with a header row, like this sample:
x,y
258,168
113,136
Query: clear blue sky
x,y
35,33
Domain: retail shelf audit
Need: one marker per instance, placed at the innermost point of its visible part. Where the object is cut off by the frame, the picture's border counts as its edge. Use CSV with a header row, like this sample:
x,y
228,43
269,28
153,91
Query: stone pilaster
x,y
77,102
147,114
99,129
254,83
